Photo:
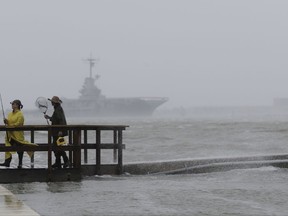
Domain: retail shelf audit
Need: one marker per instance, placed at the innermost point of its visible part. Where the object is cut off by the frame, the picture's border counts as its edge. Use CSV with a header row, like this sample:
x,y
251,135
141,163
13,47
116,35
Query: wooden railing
x,y
78,142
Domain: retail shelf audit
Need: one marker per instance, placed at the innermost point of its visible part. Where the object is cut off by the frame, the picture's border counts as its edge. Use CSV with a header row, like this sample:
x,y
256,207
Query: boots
x,y
66,160
20,157
7,162
57,163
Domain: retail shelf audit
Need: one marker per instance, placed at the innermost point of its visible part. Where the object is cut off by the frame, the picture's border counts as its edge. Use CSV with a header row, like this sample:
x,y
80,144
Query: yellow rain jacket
x,y
16,118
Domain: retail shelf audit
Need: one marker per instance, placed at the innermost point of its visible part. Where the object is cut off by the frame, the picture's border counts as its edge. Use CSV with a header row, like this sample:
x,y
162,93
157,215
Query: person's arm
x,y
47,117
17,120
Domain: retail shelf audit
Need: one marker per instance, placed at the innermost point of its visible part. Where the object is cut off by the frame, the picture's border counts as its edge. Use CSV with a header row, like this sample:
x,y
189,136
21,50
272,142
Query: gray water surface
x,y
262,191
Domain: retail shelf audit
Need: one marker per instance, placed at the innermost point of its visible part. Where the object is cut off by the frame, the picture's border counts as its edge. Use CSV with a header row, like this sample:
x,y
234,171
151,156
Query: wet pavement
x,y
10,205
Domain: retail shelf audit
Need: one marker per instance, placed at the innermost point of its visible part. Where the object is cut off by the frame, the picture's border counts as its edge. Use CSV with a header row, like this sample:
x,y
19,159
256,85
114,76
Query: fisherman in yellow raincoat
x,y
15,138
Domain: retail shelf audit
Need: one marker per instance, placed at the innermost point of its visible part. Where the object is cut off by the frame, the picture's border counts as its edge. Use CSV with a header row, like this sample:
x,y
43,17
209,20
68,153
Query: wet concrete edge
x,y
205,165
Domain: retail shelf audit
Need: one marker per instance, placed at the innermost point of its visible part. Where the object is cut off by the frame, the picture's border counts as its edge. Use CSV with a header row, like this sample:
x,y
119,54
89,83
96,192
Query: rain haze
x,y
225,60
196,53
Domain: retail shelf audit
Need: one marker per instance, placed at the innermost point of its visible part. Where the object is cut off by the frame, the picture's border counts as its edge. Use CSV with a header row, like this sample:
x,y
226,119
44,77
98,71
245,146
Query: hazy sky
x,y
197,53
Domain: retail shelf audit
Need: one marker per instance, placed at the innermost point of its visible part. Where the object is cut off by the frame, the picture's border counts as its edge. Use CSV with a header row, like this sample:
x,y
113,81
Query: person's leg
x,y
8,155
66,159
20,159
57,163
20,153
8,158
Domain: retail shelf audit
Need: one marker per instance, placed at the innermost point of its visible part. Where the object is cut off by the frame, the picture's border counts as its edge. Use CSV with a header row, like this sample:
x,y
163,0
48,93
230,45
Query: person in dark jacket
x,y
58,118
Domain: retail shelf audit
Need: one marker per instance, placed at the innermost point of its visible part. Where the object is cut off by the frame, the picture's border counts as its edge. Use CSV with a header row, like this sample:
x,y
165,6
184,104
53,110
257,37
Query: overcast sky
x,y
197,53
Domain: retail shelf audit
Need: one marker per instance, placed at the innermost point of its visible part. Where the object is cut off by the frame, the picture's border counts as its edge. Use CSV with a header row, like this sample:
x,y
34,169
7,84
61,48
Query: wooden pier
x,y
83,140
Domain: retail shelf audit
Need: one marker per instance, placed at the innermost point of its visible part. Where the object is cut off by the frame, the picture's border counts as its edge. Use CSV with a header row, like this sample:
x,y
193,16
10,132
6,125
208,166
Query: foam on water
x,y
263,169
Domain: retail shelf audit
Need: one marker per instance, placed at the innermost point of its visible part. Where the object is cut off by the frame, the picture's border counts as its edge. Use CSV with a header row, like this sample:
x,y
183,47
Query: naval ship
x,y
92,102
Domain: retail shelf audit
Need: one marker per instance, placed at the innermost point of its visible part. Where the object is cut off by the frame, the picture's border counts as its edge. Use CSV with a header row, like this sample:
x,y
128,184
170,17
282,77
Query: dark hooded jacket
x,y
58,118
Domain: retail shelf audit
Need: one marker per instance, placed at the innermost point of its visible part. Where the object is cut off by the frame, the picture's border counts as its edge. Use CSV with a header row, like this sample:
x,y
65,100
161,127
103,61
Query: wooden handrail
x,y
68,127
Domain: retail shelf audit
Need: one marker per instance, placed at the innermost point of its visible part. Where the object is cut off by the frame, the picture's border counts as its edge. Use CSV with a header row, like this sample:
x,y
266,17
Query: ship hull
x,y
112,106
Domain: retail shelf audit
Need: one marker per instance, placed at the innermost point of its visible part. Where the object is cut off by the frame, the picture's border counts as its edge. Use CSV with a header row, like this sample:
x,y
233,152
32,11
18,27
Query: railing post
x,y
70,141
120,148
32,141
49,154
77,152
85,145
115,141
98,151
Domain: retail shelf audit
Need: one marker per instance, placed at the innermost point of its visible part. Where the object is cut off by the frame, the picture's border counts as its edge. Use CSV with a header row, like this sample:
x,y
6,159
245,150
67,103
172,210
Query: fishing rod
x,y
3,114
2,106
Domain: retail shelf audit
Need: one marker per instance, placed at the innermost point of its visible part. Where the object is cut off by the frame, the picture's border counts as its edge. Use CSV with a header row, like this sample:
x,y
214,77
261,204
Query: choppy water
x,y
262,191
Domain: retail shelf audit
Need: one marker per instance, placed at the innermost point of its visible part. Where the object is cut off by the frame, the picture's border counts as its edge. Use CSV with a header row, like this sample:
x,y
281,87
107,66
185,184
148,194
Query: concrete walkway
x,y
10,205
